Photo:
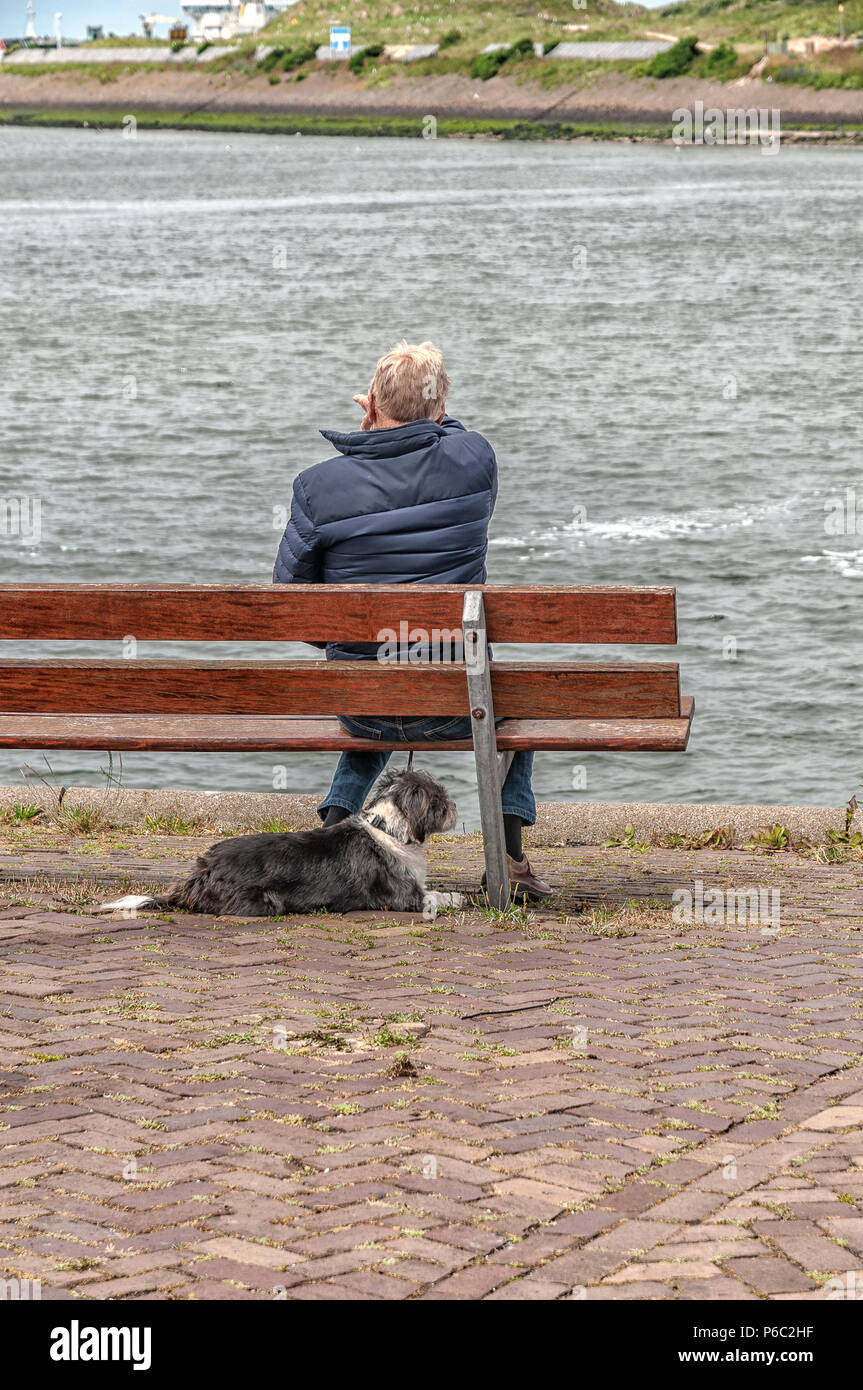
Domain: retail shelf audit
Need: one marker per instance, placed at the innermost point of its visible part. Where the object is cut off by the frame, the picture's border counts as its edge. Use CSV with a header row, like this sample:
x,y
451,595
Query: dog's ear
x,y
383,785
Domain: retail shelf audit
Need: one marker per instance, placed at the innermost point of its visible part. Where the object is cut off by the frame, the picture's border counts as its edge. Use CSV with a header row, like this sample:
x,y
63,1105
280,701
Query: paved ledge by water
x,y
558,822
589,1101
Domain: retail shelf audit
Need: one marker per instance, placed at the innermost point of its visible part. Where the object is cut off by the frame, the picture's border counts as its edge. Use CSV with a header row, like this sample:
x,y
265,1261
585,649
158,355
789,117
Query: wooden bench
x,y
208,705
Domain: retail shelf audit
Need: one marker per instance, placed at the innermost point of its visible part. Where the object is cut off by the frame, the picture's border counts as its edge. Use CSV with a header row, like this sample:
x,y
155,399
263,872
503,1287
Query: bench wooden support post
x,y
488,777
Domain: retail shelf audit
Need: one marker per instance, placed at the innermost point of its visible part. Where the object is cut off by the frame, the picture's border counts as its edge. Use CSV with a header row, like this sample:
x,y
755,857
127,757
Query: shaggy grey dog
x,y
370,861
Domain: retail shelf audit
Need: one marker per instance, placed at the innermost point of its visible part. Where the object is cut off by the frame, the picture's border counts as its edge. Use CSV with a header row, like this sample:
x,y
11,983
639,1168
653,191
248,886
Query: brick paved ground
x,y
350,1108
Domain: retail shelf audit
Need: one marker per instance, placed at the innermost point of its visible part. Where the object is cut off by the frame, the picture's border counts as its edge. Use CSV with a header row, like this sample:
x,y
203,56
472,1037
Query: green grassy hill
x,y
477,23
464,27
732,34
748,21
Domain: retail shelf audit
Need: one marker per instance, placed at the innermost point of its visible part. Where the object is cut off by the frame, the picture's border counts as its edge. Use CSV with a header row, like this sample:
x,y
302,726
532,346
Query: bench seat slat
x,y
331,612
521,690
244,733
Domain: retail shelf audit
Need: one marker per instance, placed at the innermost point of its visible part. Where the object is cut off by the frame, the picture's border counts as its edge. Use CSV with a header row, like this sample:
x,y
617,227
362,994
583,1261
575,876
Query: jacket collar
x,y
403,439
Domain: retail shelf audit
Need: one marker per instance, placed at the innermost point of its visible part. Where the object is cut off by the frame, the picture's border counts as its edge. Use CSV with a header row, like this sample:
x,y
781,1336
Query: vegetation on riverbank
x,y
477,24
284,123
733,35
412,127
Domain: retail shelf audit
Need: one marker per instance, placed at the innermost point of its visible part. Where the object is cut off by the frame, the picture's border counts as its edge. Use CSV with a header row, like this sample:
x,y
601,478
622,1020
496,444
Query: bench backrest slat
x,y
327,612
533,690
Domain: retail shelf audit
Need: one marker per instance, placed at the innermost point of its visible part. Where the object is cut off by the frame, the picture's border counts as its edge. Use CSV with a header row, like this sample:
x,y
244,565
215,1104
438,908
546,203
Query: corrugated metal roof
x,y
410,52
140,54
643,48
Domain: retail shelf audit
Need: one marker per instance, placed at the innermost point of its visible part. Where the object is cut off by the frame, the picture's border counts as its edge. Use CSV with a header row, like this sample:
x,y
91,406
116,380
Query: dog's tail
x,y
186,895
133,902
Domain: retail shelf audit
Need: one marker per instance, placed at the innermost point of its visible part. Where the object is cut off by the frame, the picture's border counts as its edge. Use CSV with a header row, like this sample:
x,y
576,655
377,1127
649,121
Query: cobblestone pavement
x,y
589,1103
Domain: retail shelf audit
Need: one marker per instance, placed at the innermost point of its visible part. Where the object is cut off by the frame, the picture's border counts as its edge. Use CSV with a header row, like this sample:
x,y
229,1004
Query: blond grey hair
x,y
410,382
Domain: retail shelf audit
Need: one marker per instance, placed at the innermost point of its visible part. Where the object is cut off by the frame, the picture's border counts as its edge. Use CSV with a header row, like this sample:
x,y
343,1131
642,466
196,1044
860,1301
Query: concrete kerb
x,y
558,822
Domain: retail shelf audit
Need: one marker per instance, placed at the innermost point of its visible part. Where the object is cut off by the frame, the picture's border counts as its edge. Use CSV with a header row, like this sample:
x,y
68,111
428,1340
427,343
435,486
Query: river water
x,y
663,347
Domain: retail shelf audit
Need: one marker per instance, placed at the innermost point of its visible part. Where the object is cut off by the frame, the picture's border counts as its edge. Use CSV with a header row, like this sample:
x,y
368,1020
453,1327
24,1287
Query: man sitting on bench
x,y
407,499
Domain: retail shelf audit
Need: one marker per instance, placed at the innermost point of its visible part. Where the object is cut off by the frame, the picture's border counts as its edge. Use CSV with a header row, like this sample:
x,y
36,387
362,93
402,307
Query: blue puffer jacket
x,y
395,506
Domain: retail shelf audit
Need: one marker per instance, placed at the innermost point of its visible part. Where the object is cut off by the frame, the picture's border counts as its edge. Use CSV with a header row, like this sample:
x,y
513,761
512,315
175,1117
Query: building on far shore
x,y
210,20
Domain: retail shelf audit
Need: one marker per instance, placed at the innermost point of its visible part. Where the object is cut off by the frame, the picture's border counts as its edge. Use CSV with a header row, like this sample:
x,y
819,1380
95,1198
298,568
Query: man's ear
x,y
371,408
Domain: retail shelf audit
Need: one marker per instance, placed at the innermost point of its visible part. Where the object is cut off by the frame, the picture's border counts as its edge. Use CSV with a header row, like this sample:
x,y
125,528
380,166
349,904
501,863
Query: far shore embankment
x,y
610,103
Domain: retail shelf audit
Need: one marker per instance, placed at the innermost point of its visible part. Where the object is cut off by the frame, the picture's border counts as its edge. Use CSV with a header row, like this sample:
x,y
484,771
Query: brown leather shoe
x,y
523,880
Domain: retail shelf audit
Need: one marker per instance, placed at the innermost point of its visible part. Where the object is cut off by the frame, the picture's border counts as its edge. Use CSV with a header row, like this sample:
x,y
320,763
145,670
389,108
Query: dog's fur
x,y
353,866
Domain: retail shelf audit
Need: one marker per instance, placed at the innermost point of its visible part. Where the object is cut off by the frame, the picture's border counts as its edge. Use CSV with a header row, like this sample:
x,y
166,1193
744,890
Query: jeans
x,y
357,772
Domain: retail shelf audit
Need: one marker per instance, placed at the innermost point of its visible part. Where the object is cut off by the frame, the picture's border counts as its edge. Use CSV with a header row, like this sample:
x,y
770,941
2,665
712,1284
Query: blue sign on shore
x,y
340,41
